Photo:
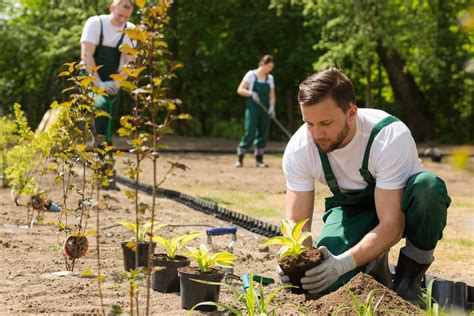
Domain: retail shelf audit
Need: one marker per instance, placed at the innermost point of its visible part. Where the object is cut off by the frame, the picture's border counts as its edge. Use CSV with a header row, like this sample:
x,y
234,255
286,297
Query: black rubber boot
x,y
240,161
259,162
408,277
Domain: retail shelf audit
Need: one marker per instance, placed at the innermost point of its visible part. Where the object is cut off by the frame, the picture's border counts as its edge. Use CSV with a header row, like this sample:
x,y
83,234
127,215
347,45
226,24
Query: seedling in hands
x,y
292,240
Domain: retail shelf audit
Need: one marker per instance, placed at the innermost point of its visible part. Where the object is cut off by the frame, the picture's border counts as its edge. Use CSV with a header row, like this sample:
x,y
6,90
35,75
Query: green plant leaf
x,y
278,240
285,228
298,228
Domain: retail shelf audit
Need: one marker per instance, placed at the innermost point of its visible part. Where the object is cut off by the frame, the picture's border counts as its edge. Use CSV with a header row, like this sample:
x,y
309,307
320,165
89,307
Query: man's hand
x,y
284,279
271,111
324,275
111,87
255,97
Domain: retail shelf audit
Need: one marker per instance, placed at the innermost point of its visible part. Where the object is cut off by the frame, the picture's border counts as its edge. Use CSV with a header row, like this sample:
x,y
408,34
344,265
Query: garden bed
x,y
31,255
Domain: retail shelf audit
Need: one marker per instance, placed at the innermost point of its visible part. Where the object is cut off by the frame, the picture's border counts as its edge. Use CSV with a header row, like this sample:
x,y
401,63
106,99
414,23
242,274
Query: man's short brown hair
x,y
331,82
127,4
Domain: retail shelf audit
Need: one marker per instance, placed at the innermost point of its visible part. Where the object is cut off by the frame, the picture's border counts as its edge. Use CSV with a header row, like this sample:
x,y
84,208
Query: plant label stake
x,y
219,231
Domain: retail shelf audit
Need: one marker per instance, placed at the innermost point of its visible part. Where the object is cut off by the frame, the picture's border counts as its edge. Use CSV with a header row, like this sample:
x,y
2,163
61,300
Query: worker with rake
x,y
258,87
381,192
100,42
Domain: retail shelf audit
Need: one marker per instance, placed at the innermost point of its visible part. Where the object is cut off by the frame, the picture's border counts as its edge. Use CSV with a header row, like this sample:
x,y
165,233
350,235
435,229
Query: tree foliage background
x,y
408,57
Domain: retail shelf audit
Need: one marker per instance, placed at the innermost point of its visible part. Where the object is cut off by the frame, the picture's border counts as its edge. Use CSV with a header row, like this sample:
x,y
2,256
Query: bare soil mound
x,y
361,285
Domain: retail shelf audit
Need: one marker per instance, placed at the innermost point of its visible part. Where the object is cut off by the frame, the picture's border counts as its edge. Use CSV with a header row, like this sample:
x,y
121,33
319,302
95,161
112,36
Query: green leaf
x,y
298,228
87,273
91,232
285,228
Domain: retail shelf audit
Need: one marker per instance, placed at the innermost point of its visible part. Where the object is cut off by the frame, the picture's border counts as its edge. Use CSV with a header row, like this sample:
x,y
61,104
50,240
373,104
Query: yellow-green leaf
x,y
81,147
117,77
127,85
87,272
64,73
161,44
86,81
140,3
130,195
298,228
99,113
91,232
125,48
96,68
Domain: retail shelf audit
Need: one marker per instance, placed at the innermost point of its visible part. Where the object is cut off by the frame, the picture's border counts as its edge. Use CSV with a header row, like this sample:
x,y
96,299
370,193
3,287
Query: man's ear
x,y
352,112
111,7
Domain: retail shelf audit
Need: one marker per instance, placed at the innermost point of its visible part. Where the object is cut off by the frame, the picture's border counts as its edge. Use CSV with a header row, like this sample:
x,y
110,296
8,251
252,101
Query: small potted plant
x,y
192,290
166,280
294,258
141,245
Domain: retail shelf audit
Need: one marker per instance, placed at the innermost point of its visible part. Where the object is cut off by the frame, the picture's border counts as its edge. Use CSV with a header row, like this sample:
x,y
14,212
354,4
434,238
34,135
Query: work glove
x,y
271,111
284,279
255,97
111,87
324,275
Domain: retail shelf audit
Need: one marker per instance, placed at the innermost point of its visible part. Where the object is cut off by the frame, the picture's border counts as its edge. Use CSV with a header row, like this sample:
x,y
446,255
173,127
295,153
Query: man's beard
x,y
339,139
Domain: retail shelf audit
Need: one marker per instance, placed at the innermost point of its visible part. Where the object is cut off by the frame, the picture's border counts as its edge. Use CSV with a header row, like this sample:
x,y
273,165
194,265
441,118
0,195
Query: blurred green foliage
x,y
422,80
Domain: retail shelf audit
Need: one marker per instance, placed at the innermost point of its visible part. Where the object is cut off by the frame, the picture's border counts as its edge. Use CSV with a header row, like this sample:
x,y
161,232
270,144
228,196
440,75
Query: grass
x,y
462,202
459,241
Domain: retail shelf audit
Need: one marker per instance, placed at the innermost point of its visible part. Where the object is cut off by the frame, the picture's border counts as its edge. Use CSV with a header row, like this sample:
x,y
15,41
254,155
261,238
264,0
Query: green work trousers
x,y
257,127
425,203
105,125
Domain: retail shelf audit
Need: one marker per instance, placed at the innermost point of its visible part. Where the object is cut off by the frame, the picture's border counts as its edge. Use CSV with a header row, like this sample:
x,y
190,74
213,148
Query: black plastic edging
x,y
249,223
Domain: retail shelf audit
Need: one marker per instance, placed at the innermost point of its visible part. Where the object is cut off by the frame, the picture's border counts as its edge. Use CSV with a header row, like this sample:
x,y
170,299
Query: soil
x,y
195,270
295,269
164,257
390,302
31,257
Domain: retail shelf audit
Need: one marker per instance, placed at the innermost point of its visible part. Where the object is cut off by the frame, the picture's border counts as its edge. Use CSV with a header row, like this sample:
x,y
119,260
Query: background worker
x,y
381,192
257,86
100,41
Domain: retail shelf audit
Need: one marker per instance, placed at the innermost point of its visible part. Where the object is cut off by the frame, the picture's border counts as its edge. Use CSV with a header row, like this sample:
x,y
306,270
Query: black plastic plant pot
x,y
443,292
167,280
193,292
129,255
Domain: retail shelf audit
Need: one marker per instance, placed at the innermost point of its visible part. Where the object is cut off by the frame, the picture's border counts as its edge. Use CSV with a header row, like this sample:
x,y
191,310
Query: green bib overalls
x,y
109,58
348,217
257,121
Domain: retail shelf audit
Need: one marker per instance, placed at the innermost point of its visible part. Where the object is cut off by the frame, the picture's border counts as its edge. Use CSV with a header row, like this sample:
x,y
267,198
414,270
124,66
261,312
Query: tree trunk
x,y
407,93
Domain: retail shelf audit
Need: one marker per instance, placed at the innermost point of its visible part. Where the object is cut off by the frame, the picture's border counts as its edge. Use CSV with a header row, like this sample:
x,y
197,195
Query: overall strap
x,y
101,36
364,170
328,174
121,37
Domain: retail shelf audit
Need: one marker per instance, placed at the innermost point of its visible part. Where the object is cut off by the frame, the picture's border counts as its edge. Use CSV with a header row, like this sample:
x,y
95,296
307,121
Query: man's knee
x,y
425,204
428,191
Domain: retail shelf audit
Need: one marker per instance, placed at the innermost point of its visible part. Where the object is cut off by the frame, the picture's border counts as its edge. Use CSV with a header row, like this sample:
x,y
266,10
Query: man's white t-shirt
x,y
111,33
250,79
393,157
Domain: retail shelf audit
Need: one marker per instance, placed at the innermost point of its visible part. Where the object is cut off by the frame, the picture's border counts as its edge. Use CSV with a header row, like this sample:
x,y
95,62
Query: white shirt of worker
x,y
111,33
250,79
393,157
